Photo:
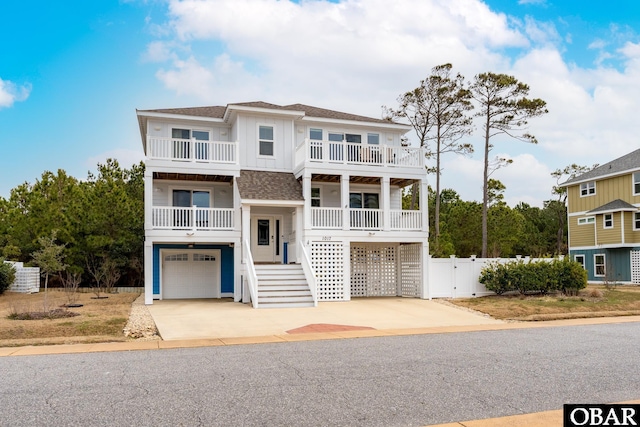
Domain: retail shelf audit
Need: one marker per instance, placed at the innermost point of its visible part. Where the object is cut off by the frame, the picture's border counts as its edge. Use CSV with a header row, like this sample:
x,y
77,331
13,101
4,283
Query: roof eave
x,y
260,110
396,126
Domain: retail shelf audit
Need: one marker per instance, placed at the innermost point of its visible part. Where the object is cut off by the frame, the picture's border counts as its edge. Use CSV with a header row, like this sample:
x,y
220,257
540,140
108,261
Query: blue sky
x,y
72,76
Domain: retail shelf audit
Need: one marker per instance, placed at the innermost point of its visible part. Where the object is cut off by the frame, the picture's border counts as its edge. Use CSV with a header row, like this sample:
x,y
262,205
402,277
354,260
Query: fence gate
x,y
374,270
327,263
635,267
410,274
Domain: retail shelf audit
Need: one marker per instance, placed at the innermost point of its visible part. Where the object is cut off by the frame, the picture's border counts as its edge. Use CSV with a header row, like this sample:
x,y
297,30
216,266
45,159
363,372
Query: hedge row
x,y
534,276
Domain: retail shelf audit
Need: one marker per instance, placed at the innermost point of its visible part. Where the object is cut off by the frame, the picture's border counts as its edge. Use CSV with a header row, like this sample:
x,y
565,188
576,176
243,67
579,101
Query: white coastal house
x,y
280,205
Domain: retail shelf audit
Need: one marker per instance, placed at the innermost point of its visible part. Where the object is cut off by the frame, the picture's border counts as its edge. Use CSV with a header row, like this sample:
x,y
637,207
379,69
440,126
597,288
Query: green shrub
x,y
7,275
534,277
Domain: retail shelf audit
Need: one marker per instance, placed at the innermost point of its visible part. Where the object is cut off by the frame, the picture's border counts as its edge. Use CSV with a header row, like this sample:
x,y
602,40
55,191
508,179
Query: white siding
x,y
396,198
163,129
163,190
283,145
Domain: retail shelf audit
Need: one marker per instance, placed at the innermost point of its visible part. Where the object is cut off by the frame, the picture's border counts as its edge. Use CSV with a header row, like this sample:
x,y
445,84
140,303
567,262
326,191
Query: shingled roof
x,y
614,206
618,166
264,185
218,112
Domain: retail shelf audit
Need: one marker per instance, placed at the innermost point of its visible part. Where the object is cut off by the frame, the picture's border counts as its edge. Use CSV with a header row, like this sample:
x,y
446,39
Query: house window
x,y
353,138
315,197
265,140
187,199
579,259
599,264
316,134
373,138
363,201
182,148
636,184
587,189
587,220
608,220
636,221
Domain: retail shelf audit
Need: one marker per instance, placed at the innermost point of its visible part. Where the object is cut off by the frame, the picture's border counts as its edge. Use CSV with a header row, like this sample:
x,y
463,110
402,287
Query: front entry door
x,y
263,239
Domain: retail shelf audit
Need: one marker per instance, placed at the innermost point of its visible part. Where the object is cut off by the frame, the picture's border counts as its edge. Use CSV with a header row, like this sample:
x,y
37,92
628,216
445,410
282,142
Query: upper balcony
x,y
192,153
349,153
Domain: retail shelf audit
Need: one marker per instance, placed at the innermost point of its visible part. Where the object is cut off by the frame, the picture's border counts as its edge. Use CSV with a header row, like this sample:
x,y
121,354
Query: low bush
x,y
7,275
542,276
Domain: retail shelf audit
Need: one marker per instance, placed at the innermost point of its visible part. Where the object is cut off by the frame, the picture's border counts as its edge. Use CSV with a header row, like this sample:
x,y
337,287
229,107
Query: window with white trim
x,y
587,189
580,260
315,197
182,146
315,134
599,262
636,184
587,220
636,221
607,221
265,140
373,138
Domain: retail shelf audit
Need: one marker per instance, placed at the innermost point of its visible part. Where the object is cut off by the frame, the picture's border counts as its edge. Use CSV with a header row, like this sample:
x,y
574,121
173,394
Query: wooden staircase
x,y
282,286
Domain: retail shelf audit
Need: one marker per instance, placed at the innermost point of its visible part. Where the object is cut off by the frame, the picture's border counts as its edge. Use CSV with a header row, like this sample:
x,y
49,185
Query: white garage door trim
x,y
190,273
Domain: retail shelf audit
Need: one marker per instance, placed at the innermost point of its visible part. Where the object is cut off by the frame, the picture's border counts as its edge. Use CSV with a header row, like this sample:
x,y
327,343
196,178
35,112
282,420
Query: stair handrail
x,y
252,276
305,262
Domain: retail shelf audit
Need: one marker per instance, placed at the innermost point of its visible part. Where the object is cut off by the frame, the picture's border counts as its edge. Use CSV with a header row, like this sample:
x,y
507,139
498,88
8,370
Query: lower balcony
x,y
192,218
366,219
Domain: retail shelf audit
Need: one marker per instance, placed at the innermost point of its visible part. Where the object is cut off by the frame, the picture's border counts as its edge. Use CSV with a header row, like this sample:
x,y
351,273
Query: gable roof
x,y
623,164
614,206
264,185
218,112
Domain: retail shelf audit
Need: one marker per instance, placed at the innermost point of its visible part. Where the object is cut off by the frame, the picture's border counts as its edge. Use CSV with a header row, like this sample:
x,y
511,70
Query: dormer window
x,y
587,189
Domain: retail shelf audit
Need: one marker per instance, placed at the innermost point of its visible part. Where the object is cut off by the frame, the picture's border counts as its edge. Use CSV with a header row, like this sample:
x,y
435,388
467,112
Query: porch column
x,y
424,210
306,194
299,234
346,268
425,289
385,195
246,237
344,201
148,272
148,199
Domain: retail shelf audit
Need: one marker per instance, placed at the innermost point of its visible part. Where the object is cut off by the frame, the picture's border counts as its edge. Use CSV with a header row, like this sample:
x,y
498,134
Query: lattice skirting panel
x,y
410,270
327,261
635,267
374,270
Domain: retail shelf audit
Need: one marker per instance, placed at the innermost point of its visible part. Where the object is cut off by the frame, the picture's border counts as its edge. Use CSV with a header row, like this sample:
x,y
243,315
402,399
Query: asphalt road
x,y
389,381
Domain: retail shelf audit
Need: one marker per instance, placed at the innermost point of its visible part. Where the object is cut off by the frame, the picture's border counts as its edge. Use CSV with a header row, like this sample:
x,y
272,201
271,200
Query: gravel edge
x,y
141,325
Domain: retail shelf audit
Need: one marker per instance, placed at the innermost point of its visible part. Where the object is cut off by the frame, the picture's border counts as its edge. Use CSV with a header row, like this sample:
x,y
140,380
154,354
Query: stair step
x,y
284,287
277,266
281,282
302,298
283,293
281,277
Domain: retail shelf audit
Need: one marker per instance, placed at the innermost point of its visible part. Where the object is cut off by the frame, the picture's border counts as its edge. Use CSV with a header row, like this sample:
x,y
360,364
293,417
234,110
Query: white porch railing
x,y
365,219
192,218
326,218
305,262
191,150
251,275
362,154
405,220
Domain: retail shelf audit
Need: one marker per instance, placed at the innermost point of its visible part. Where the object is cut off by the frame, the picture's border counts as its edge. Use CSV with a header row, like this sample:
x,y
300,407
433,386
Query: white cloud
x,y
356,55
10,93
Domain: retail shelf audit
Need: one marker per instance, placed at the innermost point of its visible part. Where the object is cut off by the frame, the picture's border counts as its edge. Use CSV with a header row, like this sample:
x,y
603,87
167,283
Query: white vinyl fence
x,y
27,278
458,277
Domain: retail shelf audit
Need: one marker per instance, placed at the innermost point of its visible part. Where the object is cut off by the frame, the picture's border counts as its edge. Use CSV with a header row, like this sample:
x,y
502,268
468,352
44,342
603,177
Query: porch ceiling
x,y
192,177
374,180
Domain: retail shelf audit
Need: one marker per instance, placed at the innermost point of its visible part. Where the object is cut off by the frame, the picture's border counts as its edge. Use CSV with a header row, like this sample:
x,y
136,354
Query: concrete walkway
x,y
207,319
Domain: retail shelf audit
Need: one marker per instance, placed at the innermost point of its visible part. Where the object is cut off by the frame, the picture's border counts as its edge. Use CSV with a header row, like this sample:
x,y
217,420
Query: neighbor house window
x,y
315,197
373,138
587,220
599,261
579,259
636,184
608,220
636,221
587,189
265,140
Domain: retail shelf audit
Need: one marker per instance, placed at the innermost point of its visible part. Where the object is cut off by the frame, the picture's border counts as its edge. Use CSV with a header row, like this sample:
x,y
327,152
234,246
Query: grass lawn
x,y
98,320
594,301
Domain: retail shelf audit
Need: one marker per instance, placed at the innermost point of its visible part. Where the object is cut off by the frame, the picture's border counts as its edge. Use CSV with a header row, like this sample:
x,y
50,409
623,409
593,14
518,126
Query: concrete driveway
x,y
207,319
